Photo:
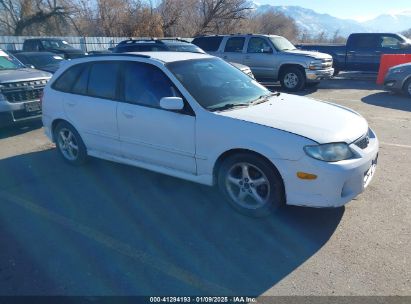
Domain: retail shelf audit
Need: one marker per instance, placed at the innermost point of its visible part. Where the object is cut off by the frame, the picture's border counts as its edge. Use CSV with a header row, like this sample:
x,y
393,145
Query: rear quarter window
x,y
208,44
66,81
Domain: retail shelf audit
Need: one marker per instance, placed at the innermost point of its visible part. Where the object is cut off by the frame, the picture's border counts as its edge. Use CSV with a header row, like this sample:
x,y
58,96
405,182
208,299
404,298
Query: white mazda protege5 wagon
x,y
196,117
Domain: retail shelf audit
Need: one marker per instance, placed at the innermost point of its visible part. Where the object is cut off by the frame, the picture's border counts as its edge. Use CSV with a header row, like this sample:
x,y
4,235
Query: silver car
x,y
271,58
398,79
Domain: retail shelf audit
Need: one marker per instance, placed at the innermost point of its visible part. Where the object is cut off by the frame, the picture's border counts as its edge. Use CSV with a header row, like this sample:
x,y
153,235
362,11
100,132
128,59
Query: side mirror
x,y
405,45
172,103
267,50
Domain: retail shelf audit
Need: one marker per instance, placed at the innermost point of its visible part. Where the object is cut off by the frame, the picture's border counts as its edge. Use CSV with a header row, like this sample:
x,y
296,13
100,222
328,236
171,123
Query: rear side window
x,y
102,82
66,81
208,44
234,45
365,41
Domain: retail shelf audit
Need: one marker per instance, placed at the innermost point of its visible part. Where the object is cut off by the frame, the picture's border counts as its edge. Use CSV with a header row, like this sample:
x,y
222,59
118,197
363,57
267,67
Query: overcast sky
x,y
354,9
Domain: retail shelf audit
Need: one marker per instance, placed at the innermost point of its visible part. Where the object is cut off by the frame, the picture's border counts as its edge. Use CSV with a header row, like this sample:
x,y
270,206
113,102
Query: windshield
x,y
282,44
42,60
56,44
8,62
185,48
407,40
215,83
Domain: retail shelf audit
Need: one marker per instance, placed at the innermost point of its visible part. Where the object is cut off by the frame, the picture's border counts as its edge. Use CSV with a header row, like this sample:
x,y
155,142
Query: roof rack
x,y
154,40
120,55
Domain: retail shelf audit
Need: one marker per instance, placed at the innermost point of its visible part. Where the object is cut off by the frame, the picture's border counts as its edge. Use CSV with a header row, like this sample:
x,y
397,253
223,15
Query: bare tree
x,y
216,15
407,33
18,17
171,13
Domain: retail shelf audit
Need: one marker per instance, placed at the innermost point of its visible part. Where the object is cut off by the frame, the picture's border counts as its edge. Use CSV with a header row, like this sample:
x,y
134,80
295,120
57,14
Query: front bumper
x,y
15,113
393,83
336,184
317,75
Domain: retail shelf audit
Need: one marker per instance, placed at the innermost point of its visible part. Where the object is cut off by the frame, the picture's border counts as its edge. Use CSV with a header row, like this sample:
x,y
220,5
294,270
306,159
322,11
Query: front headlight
x,y
315,65
397,71
329,152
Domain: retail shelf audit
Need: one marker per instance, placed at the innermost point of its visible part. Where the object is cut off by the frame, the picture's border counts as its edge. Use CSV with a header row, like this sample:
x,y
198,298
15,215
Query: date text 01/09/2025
x,y
198,299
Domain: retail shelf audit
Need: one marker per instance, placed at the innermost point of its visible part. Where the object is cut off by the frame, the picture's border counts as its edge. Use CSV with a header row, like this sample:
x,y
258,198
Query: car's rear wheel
x,y
407,88
251,185
69,144
292,79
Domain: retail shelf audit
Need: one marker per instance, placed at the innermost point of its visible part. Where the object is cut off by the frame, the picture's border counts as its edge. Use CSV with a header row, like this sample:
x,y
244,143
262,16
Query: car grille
x,y
363,141
23,91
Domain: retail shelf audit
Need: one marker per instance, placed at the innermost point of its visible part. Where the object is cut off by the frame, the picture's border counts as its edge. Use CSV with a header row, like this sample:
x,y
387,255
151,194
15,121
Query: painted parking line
x,y
116,245
395,145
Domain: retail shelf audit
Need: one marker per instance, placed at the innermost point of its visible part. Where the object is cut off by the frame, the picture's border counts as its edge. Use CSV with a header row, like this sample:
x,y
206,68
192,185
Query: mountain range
x,y
313,22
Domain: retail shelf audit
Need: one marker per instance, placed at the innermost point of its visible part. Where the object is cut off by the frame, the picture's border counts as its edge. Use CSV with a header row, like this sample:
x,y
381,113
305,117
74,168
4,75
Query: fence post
x,y
83,44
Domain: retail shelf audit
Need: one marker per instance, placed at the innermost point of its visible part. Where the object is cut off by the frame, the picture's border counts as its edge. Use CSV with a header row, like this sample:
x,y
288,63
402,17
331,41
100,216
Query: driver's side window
x,y
390,42
258,45
145,84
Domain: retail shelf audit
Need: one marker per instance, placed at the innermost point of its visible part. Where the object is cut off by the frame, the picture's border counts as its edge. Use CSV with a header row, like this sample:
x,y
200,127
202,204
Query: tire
x,y
239,185
312,84
336,72
292,79
69,144
407,88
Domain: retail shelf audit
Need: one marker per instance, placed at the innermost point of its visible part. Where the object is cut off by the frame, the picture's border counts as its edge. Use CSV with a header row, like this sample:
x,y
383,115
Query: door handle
x,y
128,114
71,103
225,57
247,57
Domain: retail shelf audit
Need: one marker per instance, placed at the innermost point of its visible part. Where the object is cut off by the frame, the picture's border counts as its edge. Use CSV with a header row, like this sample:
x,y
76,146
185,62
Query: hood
x,y
320,121
66,51
22,74
51,68
312,54
404,65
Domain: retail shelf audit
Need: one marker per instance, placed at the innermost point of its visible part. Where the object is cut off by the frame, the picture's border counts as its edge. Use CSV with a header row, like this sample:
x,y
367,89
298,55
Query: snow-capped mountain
x,y
391,22
315,23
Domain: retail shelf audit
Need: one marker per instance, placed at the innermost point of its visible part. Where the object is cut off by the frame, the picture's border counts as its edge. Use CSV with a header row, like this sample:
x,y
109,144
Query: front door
x,y
148,133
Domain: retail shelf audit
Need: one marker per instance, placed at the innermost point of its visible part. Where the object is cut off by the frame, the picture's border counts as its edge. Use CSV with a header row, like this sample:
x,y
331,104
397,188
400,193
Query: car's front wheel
x,y
69,144
251,185
407,88
292,79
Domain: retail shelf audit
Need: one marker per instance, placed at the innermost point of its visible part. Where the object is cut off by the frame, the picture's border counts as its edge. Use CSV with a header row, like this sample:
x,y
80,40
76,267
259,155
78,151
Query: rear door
x,y
91,105
364,52
234,49
259,57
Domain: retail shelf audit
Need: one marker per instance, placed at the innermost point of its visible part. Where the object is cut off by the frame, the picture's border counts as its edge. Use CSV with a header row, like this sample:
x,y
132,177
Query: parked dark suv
x,y
53,45
156,45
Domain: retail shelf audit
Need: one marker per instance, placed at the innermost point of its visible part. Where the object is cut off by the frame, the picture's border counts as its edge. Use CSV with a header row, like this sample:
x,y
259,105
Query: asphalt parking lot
x,y
109,229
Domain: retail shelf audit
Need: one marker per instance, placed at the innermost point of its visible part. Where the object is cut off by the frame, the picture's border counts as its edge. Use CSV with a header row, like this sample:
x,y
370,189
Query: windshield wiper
x,y
229,106
264,98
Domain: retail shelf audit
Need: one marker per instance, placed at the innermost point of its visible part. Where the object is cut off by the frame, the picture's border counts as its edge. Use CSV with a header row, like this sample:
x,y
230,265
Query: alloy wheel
x,y
291,80
68,144
247,185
